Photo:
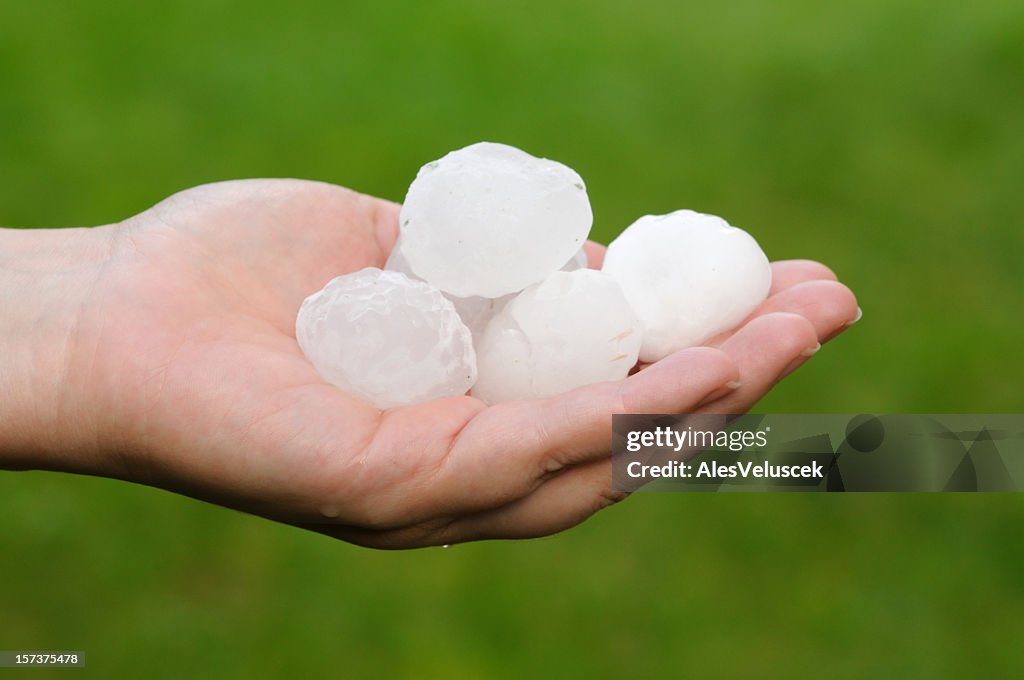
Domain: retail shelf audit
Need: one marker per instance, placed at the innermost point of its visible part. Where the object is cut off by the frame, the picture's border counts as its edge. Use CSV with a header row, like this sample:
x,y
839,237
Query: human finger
x,y
762,350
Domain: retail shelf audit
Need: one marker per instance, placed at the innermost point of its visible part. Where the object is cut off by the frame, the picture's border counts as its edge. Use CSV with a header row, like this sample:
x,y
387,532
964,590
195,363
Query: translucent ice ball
x,y
572,329
490,219
387,339
688,276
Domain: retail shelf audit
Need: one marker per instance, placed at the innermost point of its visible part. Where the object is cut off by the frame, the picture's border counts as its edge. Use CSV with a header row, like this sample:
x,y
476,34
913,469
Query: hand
x,y
168,349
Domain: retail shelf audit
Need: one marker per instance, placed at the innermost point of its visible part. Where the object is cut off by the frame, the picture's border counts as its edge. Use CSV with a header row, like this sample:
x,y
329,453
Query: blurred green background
x,y
885,138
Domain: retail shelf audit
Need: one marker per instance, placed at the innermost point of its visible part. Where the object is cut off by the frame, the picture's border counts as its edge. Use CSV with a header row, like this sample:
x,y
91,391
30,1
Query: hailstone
x,y
489,220
572,329
387,339
688,277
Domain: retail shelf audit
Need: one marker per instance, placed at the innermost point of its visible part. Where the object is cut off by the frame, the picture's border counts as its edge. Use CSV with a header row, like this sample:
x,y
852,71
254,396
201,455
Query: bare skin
x,y
161,350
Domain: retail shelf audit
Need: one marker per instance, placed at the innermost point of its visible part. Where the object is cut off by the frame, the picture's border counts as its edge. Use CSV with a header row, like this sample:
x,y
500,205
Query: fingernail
x,y
811,351
330,511
860,313
727,389
799,361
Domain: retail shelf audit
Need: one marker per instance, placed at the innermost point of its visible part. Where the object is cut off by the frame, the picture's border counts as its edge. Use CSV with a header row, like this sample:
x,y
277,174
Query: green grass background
x,y
883,137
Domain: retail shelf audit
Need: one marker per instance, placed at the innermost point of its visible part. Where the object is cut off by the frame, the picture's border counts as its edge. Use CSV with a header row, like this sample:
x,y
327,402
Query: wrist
x,y
47,279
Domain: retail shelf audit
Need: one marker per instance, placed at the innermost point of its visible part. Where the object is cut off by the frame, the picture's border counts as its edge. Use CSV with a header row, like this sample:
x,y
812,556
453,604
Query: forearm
x,y
46,279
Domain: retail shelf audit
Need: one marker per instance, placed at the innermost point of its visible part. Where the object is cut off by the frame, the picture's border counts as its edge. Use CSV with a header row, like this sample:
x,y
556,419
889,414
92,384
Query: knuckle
x,y
621,401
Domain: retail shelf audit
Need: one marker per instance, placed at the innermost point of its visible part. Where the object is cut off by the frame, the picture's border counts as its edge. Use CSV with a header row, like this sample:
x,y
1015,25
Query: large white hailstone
x,y
489,220
688,276
572,329
387,339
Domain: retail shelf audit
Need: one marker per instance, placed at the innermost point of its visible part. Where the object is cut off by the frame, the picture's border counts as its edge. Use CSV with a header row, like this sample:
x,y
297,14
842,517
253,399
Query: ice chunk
x,y
688,277
572,329
387,339
489,220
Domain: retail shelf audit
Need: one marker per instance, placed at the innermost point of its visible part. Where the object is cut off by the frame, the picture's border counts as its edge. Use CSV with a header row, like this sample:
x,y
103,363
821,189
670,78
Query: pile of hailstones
x,y
488,291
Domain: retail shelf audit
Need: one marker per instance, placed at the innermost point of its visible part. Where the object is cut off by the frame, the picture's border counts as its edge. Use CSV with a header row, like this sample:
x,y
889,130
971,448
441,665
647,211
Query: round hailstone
x,y
572,329
688,276
489,220
387,339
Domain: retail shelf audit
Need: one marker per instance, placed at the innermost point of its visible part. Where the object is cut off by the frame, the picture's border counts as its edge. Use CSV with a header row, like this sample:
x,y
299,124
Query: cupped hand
x,y
197,385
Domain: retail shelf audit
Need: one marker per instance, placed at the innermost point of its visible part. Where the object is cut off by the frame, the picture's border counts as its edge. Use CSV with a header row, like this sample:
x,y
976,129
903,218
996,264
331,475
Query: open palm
x,y
206,392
